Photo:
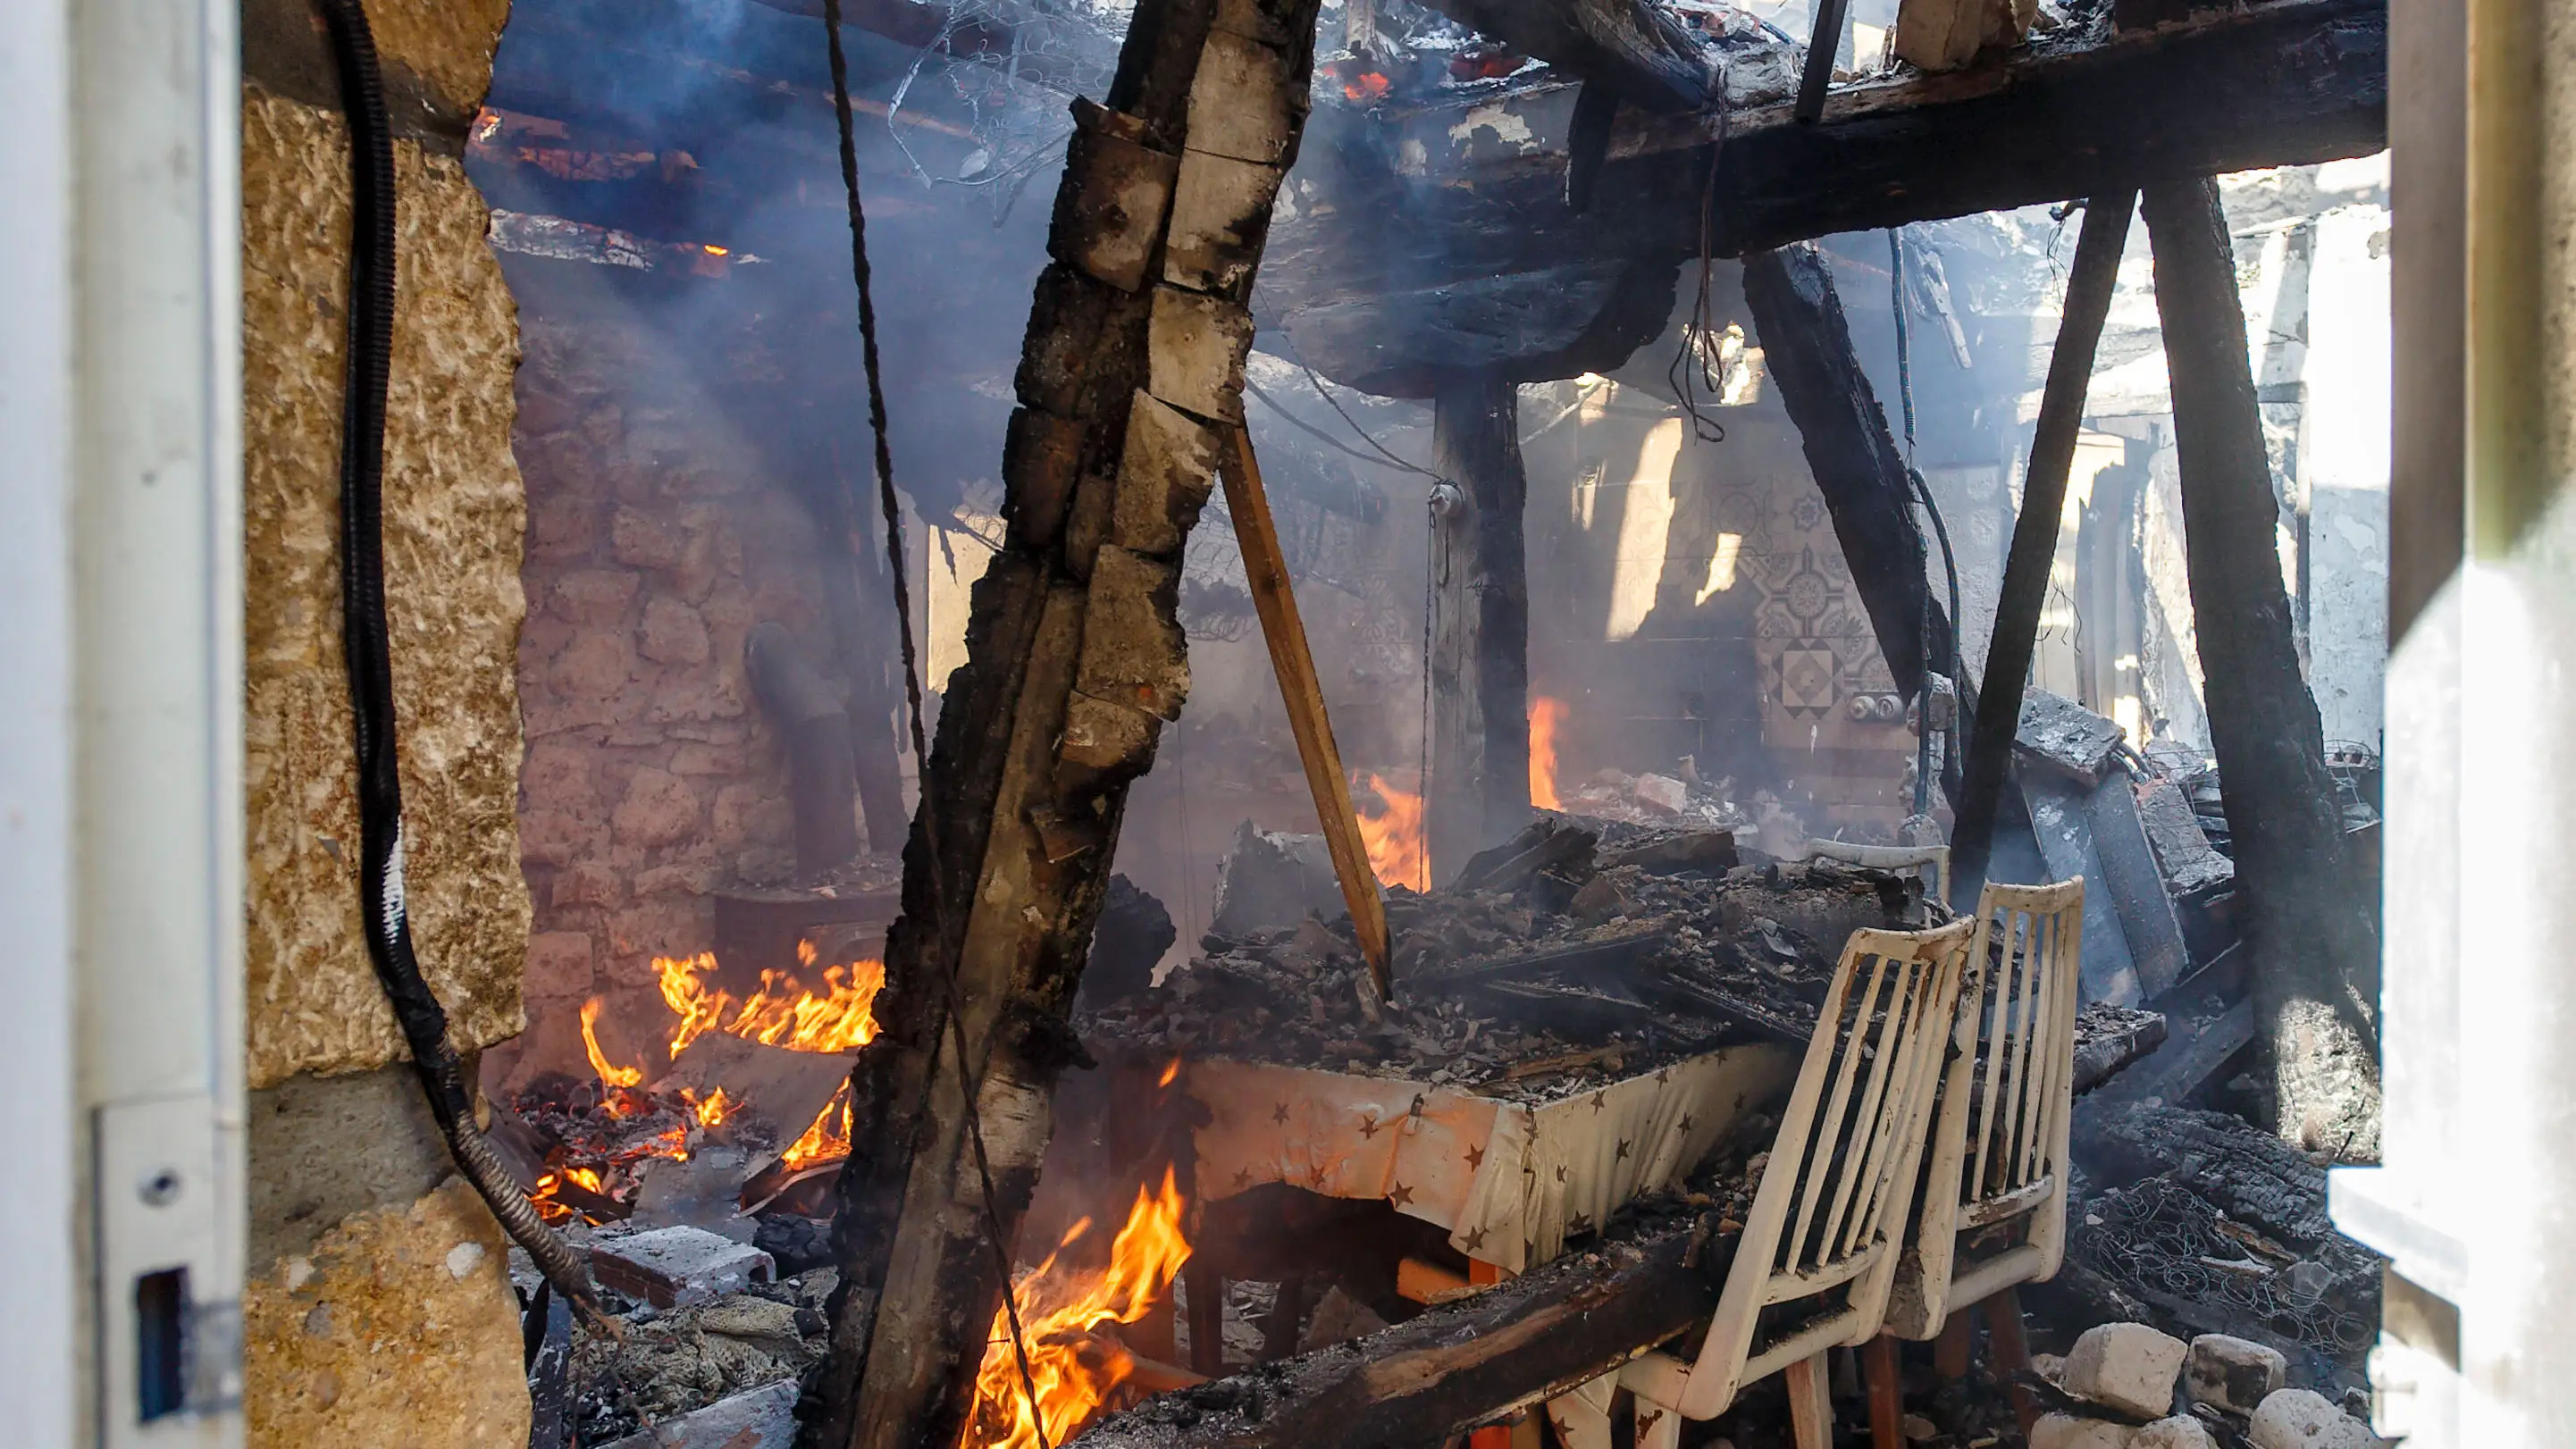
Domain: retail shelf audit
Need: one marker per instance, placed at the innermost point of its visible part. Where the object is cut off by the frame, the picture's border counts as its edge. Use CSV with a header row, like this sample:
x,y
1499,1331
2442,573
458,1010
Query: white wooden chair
x,y
1829,1215
1999,1140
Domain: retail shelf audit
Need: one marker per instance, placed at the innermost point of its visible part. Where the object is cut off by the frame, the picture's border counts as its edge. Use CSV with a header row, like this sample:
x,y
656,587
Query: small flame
x,y
716,251
1060,1308
714,1110
1365,87
783,1013
1394,838
1544,716
827,1139
613,1078
1171,1073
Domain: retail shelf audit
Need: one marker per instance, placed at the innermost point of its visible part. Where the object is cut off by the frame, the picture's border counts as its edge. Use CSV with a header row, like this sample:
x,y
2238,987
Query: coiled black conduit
x,y
371,678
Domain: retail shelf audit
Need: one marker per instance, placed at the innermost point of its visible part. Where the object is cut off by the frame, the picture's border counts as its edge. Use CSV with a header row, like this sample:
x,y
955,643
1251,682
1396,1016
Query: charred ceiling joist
x,y
1465,199
1132,369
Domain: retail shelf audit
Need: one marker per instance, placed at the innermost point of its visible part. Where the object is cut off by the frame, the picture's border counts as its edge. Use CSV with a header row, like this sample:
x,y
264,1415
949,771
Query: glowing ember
x,y
1061,1308
1171,1073
1545,715
1364,88
783,1013
1393,836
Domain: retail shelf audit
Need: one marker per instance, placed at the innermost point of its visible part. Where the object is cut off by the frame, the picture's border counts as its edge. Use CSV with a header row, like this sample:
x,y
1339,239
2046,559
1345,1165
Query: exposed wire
x,y
1693,367
1317,383
1387,460
927,818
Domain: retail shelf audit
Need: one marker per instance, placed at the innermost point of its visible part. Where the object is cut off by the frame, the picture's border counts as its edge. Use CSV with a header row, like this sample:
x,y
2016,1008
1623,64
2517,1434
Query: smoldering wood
x,y
2033,551
2315,942
1546,843
1074,659
1807,348
2189,1061
1459,1364
1599,951
2295,82
1479,787
1644,51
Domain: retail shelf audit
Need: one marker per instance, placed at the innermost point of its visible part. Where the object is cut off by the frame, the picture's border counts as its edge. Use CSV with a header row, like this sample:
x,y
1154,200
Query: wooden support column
x,y
1131,374
1806,345
2315,947
2034,540
1480,635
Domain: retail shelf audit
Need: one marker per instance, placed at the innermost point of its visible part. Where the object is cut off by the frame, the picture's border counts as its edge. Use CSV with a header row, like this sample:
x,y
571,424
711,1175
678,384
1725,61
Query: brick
x,y
2126,1366
2303,1419
668,1267
1662,794
2233,1374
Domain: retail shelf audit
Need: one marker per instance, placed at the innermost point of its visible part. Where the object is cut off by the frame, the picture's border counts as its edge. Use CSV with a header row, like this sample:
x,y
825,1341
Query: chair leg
x,y
1950,1350
1659,1427
1811,1407
1878,1371
2012,1353
1206,1287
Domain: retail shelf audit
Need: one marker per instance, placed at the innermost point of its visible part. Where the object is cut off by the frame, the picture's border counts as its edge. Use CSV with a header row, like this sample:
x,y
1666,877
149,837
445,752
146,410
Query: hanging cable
x,y
1941,530
1384,459
1694,364
368,651
1334,403
891,507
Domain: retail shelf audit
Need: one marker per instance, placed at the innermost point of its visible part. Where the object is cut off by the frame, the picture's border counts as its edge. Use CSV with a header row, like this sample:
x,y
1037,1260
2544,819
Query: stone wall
x,y
377,1309
657,537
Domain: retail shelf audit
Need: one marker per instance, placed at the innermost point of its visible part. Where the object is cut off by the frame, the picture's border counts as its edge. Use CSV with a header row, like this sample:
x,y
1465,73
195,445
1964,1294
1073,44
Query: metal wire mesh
x,y
2160,1241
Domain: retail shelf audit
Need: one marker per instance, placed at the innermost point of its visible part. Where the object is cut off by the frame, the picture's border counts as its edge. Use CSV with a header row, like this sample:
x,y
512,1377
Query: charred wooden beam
x,y
2294,82
1806,345
2315,945
1132,371
2034,541
1479,787
1644,52
1460,1364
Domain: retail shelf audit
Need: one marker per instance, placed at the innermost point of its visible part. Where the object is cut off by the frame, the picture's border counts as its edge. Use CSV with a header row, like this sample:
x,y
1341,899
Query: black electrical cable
x,y
370,662
969,1079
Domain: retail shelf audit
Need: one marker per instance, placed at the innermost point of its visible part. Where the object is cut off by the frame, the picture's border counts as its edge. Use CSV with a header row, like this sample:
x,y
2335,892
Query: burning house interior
x,y
988,724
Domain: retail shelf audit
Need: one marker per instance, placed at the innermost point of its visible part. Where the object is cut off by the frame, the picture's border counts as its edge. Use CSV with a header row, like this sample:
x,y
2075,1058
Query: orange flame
x,y
613,1078
1394,838
1545,715
827,1139
1171,1073
783,1013
1365,87
1060,1309
714,1110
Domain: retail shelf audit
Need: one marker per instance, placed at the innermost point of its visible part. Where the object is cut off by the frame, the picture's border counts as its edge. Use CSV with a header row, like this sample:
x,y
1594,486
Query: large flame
x,y
827,1139
1393,836
1060,1309
1544,716
783,1013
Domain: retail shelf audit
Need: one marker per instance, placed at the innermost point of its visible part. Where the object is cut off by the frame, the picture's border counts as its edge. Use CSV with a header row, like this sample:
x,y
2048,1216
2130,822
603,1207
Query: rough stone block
x,y
559,963
646,541
1662,793
584,883
2179,1432
1163,479
668,1267
1195,345
592,667
1112,204
1245,100
1133,651
1220,213
1042,459
1105,737
2126,1366
595,598
2065,1431
761,1418
673,633
2303,1419
658,808
2233,1374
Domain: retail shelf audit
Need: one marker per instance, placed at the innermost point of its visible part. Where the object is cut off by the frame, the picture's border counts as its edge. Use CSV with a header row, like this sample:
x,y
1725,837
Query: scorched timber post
x,y
1479,787
2316,950
1131,372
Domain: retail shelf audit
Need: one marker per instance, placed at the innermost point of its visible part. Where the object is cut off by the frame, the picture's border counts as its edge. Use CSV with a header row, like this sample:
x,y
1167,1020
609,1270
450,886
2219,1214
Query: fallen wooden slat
x,y
2179,1068
1644,51
1265,568
1592,953
1459,1364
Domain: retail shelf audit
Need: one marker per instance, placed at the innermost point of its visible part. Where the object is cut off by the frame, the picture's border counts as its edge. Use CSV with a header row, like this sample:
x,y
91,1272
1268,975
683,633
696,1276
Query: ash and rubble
x,y
1581,949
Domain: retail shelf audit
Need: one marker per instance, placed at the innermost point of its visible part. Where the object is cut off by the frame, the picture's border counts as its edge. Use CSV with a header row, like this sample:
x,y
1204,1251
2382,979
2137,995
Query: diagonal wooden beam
x,y
1265,568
